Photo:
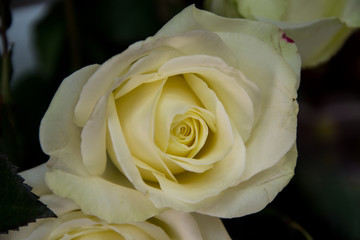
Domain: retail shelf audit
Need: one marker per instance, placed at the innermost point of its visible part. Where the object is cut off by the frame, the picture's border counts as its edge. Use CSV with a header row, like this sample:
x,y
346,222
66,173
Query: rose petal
x,y
193,188
138,123
274,9
312,39
211,228
176,99
278,85
192,18
96,196
118,149
34,177
57,204
93,139
102,81
351,14
239,96
253,195
57,127
181,224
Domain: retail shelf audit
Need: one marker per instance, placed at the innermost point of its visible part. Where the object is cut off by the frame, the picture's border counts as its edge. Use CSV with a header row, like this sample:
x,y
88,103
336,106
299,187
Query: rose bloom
x,y
200,117
72,223
319,27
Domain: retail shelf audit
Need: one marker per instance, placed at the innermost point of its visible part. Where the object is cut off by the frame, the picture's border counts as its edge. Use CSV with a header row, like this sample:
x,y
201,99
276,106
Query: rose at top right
x,y
318,27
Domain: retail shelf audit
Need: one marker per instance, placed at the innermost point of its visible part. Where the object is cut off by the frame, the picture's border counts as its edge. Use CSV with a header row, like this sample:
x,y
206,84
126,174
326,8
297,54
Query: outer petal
x,y
211,228
93,139
221,7
192,18
278,84
273,9
351,14
35,177
57,204
253,195
96,196
57,128
182,225
101,82
193,226
319,40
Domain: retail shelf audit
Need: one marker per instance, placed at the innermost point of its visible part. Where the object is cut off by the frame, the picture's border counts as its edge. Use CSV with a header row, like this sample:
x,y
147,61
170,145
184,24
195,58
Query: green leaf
x,y
18,205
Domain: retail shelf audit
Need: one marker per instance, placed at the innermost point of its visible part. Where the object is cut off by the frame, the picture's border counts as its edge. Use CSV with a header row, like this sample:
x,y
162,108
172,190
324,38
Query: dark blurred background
x,y
323,199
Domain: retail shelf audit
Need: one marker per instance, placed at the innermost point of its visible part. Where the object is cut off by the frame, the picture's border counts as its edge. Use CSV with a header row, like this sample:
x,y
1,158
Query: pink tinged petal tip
x,y
289,40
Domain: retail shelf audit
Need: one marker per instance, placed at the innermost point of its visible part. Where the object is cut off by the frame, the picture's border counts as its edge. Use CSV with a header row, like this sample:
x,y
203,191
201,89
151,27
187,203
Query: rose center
x,y
184,132
188,133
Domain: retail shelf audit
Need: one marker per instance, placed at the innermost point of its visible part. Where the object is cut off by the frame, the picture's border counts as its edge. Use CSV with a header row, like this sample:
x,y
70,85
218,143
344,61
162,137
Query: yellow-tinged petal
x,y
118,149
176,99
102,81
253,195
182,225
192,18
138,123
93,139
57,204
318,40
34,177
278,85
57,127
193,188
96,196
211,228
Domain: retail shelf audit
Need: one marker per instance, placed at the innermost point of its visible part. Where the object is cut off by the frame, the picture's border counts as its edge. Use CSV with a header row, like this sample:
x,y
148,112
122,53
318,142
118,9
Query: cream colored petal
x,y
57,127
222,7
118,149
351,14
240,99
72,225
103,80
123,232
278,120
319,40
193,188
35,231
136,112
93,139
58,205
194,19
147,172
145,69
176,99
156,232
189,164
109,72
268,9
59,135
193,39
305,11
35,178
180,225
211,228
217,144
96,196
205,74
253,195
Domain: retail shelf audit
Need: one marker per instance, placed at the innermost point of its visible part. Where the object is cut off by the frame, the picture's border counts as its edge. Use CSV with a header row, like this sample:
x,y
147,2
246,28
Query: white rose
x,y
318,27
72,223
201,117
